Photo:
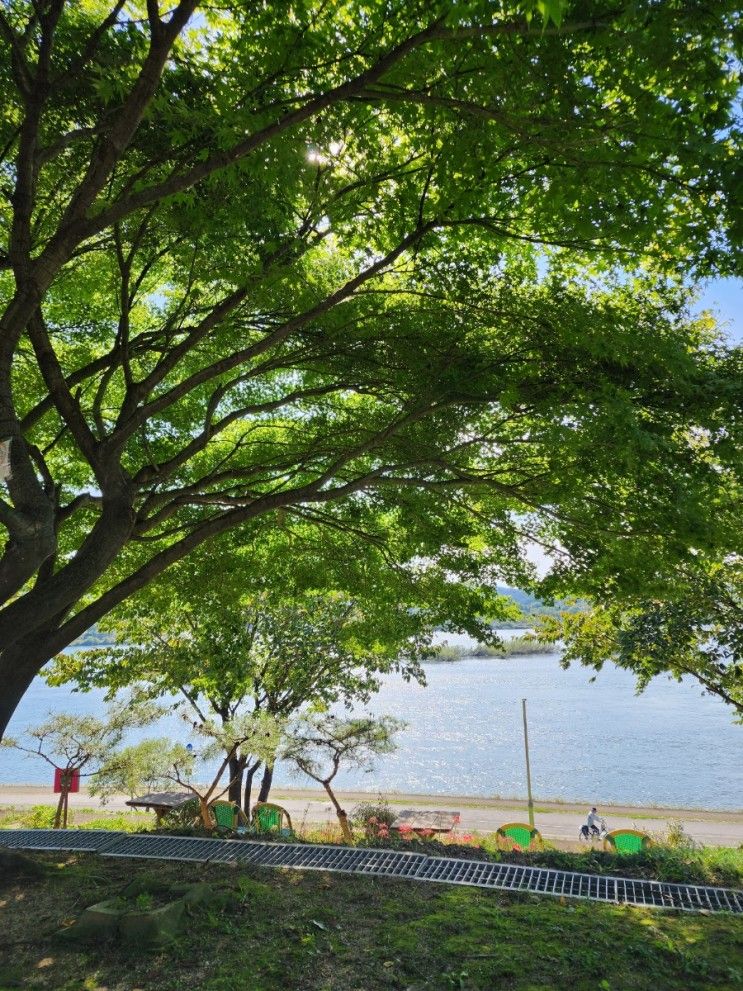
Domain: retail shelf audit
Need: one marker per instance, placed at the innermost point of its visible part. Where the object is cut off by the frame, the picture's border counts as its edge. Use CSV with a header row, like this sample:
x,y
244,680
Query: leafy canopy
x,y
694,630
291,257
319,745
295,617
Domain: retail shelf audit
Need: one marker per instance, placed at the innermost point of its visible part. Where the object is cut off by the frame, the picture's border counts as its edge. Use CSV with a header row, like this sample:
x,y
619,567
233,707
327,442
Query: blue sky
x,y
725,298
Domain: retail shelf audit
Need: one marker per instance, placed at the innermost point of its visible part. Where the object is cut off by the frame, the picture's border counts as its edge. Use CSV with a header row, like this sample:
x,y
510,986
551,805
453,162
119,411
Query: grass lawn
x,y
42,817
310,931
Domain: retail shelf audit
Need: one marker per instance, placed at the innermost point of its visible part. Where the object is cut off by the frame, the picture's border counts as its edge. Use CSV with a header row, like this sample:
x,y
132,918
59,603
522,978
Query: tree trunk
x,y
236,768
206,816
249,775
266,783
29,624
60,808
47,602
19,665
340,813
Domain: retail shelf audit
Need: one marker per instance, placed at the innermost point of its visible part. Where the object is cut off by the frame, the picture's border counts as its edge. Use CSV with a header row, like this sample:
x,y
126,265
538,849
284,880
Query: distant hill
x,y
523,599
531,607
93,638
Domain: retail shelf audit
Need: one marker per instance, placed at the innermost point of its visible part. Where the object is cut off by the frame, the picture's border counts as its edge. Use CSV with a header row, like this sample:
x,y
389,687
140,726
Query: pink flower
x,y
467,838
425,833
405,829
457,819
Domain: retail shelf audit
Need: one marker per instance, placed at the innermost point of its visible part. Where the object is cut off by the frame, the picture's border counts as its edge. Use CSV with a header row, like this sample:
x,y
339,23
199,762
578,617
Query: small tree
x,y
257,732
159,763
82,744
142,767
319,745
320,621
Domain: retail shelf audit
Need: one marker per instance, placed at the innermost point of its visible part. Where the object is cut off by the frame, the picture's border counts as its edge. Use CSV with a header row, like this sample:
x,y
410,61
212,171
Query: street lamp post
x,y
528,769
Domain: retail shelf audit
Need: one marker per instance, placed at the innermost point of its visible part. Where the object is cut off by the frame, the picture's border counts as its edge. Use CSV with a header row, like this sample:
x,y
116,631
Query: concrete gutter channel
x,y
384,863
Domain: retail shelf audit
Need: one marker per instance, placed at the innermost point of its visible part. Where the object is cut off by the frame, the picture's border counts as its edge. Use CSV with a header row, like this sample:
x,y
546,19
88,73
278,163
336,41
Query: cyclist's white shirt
x,y
594,819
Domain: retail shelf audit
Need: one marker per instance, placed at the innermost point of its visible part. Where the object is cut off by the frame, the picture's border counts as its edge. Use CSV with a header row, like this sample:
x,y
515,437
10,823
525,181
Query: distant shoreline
x,y
518,646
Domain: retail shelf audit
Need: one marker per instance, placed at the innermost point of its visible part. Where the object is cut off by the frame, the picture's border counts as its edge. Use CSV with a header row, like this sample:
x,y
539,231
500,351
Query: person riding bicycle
x,y
594,822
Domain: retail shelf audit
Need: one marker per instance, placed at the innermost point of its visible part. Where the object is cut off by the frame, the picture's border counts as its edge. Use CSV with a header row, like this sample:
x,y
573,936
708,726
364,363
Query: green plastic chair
x,y
227,815
627,841
269,818
520,834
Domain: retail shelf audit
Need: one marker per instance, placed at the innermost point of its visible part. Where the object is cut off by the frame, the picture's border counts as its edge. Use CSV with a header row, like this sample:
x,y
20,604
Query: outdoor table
x,y
161,802
426,819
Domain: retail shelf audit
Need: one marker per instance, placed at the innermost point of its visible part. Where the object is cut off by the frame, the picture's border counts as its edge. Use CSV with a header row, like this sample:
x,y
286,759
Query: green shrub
x,y
184,817
38,817
373,818
676,836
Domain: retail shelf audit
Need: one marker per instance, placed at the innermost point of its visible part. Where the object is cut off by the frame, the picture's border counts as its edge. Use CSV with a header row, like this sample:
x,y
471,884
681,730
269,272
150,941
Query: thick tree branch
x,y
60,394
275,337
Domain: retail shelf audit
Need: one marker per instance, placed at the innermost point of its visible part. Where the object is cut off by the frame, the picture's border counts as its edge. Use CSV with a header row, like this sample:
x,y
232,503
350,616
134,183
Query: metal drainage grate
x,y
337,858
91,840
391,863
167,848
540,880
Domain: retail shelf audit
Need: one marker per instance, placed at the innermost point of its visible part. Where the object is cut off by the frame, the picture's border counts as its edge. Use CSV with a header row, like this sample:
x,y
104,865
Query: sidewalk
x,y
557,821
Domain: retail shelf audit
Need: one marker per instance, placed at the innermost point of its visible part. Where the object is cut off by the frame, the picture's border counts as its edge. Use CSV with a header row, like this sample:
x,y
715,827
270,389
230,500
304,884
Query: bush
x,y
374,818
676,836
184,817
39,817
123,822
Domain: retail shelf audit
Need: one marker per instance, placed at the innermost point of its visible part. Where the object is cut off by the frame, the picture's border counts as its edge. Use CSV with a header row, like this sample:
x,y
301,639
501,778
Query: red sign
x,y
72,782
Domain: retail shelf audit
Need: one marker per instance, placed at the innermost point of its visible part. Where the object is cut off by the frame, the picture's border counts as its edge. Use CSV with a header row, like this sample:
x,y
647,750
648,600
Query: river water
x,y
591,741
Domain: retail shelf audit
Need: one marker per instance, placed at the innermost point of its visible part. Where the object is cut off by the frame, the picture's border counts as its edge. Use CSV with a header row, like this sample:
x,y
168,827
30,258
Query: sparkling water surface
x,y
593,741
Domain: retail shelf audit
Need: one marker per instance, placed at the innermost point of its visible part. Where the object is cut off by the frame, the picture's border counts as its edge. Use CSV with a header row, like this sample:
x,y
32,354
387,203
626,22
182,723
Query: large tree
x,y
259,257
299,618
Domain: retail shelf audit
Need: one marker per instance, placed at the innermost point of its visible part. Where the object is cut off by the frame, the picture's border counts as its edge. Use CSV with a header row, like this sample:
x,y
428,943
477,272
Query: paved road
x,y
558,822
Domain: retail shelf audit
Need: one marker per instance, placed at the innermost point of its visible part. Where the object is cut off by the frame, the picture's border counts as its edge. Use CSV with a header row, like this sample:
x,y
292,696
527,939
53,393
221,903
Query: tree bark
x,y
249,775
48,601
19,664
206,817
30,521
58,813
340,813
236,768
266,783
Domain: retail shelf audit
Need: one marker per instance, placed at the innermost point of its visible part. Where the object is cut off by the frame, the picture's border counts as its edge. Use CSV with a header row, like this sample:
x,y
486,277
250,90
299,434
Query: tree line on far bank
x,y
514,647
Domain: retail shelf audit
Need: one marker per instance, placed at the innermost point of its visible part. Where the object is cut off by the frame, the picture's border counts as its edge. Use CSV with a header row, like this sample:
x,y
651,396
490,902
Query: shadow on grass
x,y
309,931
